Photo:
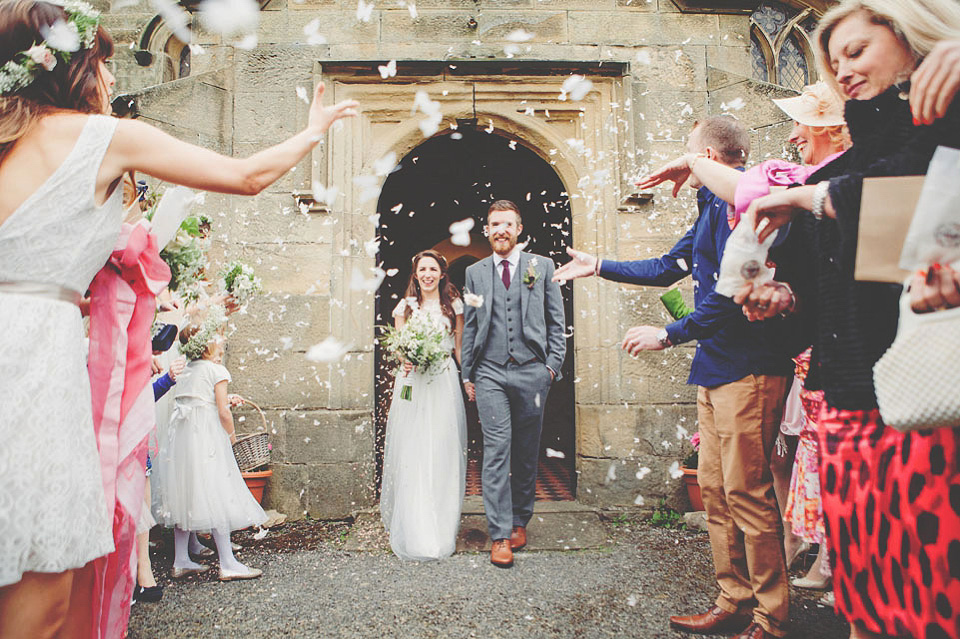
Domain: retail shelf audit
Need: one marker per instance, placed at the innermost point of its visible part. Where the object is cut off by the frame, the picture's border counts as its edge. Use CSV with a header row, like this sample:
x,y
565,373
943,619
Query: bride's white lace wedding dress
x,y
425,460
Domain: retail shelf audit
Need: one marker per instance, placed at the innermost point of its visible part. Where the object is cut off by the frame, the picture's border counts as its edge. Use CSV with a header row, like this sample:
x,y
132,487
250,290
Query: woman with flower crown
x,y
67,520
425,453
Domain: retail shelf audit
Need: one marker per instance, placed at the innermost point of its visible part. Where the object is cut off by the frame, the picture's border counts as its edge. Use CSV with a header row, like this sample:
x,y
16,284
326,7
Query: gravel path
x,y
627,589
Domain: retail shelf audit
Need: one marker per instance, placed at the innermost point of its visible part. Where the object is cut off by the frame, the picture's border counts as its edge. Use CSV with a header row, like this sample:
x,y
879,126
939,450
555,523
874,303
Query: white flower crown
x,y
61,40
196,346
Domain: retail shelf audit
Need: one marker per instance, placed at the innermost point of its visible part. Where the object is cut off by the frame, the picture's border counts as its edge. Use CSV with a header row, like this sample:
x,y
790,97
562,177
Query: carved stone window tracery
x,y
780,46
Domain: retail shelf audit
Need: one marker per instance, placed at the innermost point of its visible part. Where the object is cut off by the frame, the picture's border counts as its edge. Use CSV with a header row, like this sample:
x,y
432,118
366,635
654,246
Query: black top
x,y
851,324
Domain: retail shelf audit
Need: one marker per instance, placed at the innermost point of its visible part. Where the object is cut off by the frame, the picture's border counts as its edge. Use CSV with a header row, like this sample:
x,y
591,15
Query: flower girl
x,y
201,484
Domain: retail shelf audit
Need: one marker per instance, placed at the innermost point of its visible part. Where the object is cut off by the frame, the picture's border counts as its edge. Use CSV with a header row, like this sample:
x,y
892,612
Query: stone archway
x,y
518,101
451,177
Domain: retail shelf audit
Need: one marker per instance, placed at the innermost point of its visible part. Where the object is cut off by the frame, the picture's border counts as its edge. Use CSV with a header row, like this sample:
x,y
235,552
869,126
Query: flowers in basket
x,y
238,279
419,341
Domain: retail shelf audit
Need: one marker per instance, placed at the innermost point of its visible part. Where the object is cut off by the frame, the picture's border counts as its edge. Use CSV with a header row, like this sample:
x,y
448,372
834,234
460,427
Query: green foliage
x,y
666,517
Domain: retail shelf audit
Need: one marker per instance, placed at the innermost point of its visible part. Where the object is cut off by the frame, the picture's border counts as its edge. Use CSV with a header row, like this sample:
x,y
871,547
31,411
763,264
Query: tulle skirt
x,y
200,483
424,468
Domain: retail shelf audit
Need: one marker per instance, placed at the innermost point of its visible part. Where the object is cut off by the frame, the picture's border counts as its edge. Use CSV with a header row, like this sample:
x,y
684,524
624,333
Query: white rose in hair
x,y
42,56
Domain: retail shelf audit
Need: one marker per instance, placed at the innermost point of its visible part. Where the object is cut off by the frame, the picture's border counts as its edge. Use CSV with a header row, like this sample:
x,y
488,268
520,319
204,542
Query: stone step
x,y
555,526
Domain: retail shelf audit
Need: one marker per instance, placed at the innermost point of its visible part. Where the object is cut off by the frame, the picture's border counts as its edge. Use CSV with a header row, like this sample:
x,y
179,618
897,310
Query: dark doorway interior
x,y
449,178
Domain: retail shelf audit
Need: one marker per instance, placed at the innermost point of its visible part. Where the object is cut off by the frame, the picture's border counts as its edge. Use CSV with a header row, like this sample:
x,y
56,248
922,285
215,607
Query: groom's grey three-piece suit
x,y
510,345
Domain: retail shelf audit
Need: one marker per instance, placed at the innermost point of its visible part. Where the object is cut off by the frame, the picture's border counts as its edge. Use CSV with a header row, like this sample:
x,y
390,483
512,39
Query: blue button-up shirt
x,y
729,347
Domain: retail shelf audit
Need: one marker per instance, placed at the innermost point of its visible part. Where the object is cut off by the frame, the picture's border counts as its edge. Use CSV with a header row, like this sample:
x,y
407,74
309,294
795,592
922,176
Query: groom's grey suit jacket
x,y
541,312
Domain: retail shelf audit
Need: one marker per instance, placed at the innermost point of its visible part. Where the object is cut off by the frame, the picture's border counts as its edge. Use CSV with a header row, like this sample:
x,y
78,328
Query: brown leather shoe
x,y
500,555
518,538
755,631
714,621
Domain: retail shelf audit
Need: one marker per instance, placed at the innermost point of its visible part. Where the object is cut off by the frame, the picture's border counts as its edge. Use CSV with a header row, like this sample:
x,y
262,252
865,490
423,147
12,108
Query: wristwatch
x,y
664,338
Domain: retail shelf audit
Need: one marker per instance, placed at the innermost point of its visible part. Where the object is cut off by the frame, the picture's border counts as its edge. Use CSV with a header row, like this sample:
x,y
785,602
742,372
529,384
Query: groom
x,y
513,347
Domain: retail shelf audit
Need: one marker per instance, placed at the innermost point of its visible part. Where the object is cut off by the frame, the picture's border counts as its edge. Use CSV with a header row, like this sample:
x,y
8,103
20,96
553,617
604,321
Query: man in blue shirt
x,y
741,369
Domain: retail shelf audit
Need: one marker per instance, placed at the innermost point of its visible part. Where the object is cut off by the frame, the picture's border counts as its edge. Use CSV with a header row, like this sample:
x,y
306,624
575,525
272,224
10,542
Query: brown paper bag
x,y
886,210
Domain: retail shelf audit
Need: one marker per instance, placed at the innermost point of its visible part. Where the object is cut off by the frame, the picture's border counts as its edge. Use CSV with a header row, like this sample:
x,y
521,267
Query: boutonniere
x,y
531,276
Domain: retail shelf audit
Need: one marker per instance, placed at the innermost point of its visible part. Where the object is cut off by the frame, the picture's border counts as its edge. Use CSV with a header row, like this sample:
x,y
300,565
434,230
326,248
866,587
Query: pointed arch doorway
x,y
451,177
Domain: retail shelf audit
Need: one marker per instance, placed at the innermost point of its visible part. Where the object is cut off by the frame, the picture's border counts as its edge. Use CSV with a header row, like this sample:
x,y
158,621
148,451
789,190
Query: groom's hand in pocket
x,y
471,391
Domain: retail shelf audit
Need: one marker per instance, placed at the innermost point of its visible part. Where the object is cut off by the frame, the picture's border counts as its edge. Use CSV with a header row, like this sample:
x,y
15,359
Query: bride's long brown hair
x,y
73,85
448,292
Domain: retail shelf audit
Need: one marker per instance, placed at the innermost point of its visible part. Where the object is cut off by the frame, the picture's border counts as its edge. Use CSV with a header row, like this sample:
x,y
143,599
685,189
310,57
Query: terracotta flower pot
x,y
693,488
256,482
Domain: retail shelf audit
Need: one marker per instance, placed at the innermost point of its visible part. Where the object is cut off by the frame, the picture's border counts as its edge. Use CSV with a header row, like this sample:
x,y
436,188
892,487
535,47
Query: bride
x,y
424,468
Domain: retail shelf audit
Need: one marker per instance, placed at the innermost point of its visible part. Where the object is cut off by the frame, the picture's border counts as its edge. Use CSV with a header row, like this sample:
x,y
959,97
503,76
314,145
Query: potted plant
x,y
690,477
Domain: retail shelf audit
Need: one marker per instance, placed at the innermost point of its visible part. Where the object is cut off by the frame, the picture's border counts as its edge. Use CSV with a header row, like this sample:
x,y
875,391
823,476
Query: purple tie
x,y
506,273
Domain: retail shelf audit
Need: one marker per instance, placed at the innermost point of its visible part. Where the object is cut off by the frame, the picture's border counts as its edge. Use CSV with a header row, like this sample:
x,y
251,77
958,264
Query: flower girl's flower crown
x,y
62,39
196,346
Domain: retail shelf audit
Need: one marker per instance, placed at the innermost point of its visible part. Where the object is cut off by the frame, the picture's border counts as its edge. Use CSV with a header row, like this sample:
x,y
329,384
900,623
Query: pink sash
x,y
123,301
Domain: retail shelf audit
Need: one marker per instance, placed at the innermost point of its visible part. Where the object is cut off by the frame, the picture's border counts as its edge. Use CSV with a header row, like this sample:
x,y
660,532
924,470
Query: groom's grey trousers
x,y
510,400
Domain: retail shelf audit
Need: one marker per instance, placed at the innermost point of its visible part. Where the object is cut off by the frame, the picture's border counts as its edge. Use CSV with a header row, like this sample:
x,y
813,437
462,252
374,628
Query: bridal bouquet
x,y
420,342
237,279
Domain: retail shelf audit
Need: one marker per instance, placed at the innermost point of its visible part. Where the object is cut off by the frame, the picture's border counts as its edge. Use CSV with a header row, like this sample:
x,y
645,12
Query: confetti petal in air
x,y
62,35
312,31
412,8
364,11
733,105
369,187
675,471
372,247
302,94
386,164
327,195
359,283
472,299
520,35
460,231
174,17
611,474
643,472
576,86
230,17
388,70
329,350
260,534
249,42
555,453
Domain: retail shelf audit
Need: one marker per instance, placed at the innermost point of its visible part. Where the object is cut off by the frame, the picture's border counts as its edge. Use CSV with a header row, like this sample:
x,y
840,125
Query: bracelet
x,y
819,199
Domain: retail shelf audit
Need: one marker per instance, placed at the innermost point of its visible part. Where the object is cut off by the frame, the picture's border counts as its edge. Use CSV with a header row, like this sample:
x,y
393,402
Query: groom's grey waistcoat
x,y
505,339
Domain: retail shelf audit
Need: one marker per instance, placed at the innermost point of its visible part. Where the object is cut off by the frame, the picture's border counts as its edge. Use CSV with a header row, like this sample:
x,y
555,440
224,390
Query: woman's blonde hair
x,y
918,24
839,135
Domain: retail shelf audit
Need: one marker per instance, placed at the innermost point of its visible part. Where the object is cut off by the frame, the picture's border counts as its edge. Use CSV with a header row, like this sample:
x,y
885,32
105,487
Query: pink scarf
x,y
123,301
756,182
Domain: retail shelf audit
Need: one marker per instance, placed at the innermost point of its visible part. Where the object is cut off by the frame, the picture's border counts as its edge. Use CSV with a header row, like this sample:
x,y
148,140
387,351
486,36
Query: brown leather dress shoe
x,y
518,538
501,555
755,631
714,621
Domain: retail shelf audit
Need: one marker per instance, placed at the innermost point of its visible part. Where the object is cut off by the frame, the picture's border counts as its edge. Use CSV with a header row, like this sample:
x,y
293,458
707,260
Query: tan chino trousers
x,y
739,423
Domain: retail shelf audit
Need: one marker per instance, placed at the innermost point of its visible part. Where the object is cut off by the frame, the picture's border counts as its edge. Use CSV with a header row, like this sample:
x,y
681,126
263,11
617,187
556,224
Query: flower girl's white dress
x,y
200,483
425,461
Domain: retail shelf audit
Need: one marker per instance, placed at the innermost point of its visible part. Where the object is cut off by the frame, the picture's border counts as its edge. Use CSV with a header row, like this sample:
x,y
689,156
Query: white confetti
x,y
520,35
369,187
638,501
388,70
675,471
734,105
329,350
611,474
472,299
312,31
576,86
372,247
555,453
632,600
230,17
643,472
359,283
174,18
260,534
62,35
460,231
327,195
364,11
386,164
302,94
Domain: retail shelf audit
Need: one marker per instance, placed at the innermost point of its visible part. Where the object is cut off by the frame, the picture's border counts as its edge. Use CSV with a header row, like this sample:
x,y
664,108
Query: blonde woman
x,y
890,499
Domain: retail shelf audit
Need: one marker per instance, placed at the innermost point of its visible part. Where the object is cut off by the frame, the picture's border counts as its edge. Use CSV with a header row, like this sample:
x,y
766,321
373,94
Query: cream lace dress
x,y
53,515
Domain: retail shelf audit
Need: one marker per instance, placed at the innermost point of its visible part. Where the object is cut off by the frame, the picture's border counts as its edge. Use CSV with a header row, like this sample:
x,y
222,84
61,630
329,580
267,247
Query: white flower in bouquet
x,y
239,280
419,341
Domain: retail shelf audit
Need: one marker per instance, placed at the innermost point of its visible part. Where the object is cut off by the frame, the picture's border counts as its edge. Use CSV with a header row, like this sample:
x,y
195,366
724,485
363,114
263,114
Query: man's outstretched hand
x,y
582,265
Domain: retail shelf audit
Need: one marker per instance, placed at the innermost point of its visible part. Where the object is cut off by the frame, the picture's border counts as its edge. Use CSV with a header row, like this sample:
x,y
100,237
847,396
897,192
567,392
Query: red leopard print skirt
x,y
892,508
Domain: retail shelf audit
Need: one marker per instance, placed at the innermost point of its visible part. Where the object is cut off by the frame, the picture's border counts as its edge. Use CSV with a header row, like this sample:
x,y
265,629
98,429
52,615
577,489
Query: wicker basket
x,y
252,450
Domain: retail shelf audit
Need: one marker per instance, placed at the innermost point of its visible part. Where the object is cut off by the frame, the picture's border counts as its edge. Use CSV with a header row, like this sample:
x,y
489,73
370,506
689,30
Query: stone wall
x,y
679,67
